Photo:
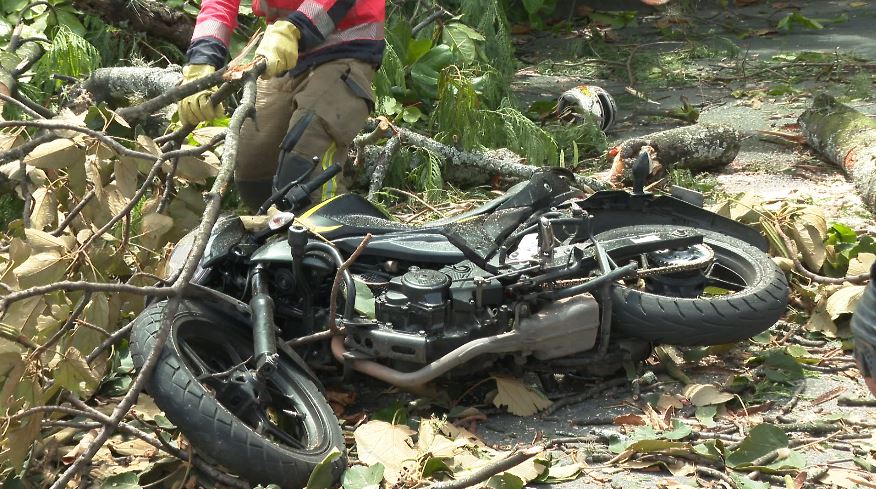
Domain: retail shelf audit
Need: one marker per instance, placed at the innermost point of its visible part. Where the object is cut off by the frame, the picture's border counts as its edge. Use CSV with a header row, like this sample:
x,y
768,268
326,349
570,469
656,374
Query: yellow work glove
x,y
279,47
197,108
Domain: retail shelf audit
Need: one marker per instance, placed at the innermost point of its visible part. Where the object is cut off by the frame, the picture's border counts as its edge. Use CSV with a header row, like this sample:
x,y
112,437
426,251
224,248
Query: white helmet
x,y
585,99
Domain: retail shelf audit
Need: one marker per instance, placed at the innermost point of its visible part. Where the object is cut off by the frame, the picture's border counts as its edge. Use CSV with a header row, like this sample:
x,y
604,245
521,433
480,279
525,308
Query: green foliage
x,y
844,244
489,19
10,208
69,54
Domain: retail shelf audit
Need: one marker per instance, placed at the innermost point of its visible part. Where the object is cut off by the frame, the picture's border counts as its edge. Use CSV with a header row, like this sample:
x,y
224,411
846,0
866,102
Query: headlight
x,y
179,255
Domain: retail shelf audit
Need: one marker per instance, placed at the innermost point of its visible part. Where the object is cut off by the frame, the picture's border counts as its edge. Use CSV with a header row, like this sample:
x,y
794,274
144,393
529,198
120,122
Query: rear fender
x,y
616,208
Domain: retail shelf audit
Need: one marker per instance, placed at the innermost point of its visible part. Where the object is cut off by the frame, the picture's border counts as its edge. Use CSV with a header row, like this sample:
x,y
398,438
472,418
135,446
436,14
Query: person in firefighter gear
x,y
314,96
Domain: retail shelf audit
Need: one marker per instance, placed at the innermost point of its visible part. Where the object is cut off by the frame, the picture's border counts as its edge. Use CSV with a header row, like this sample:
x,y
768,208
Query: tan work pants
x,y
321,107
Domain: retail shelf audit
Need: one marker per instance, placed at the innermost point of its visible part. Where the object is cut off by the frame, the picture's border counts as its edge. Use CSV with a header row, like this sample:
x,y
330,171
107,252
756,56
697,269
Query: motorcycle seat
x,y
353,215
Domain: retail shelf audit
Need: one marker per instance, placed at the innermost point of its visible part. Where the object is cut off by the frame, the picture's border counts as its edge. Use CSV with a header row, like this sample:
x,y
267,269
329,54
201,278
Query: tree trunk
x,y
149,16
847,138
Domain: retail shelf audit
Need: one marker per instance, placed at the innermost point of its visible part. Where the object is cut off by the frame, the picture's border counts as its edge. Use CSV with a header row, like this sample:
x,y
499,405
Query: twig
x,y
716,474
211,213
73,213
81,285
132,114
386,154
109,341
336,285
318,336
828,369
417,198
21,106
86,297
437,14
792,403
588,394
497,467
792,248
851,401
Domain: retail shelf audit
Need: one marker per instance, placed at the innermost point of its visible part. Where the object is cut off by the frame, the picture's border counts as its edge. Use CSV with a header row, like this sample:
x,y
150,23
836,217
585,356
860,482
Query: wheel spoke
x,y
196,359
265,424
722,281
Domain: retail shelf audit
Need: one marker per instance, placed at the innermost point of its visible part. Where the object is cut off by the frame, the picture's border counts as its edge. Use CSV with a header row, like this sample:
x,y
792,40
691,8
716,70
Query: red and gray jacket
x,y
330,29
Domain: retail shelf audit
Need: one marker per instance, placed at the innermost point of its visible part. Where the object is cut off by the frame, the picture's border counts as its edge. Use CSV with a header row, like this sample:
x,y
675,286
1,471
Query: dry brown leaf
x,y
861,264
387,444
844,300
629,419
705,395
820,321
56,154
518,397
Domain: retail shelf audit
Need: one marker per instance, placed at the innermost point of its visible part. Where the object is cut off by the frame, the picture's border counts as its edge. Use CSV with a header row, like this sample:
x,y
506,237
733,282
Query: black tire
x,y
703,320
208,424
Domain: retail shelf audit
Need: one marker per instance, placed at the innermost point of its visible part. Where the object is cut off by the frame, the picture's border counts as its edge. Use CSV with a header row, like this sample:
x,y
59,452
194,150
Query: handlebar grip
x,y
321,179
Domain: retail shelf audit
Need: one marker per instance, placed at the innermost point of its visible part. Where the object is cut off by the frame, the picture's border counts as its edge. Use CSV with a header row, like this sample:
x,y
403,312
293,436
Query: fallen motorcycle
x,y
541,278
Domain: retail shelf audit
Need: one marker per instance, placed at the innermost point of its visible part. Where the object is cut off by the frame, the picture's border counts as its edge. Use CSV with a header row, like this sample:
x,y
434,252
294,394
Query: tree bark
x,y
462,168
149,16
847,138
117,83
697,147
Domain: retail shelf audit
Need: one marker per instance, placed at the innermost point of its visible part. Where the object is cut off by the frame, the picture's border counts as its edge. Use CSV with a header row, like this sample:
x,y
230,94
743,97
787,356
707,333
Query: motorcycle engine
x,y
417,301
425,313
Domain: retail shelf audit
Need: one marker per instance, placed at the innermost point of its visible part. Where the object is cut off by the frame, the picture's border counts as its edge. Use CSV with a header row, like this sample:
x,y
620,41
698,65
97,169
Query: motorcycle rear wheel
x,y
760,298
202,383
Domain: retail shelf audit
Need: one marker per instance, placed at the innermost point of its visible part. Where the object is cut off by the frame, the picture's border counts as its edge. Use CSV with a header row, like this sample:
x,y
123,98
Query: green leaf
x,y
67,17
361,477
533,6
706,414
125,480
73,374
679,431
840,233
505,481
427,69
743,482
416,49
463,39
761,440
782,367
412,114
434,465
322,476
364,298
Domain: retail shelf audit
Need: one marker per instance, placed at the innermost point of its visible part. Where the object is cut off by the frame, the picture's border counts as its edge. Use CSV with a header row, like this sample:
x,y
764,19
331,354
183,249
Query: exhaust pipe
x,y
568,326
413,381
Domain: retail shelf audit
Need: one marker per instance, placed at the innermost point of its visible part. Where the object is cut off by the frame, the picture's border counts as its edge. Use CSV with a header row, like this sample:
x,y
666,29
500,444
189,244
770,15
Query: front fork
x,y
264,330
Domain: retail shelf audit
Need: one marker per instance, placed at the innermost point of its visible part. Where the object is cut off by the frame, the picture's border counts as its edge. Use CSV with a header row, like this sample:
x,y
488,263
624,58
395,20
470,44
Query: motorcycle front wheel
x,y
272,432
753,295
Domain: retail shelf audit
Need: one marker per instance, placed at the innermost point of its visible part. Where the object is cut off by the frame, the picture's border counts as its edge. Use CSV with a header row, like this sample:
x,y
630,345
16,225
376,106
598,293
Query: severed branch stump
x,y
847,138
697,147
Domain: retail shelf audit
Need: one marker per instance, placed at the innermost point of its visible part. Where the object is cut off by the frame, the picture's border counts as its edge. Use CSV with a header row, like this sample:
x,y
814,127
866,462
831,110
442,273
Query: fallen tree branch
x,y
336,284
465,168
148,16
802,270
211,213
494,468
696,147
846,138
